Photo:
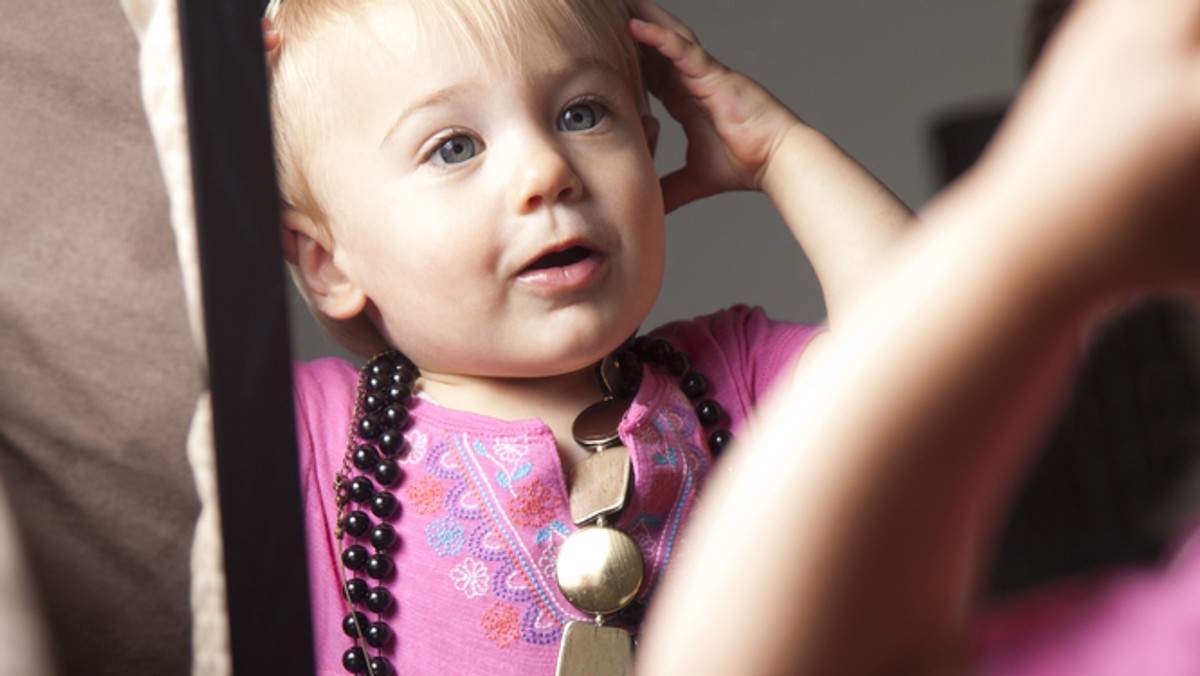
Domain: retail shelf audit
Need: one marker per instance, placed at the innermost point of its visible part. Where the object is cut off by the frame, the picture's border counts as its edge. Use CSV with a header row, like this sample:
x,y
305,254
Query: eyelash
x,y
601,109
438,142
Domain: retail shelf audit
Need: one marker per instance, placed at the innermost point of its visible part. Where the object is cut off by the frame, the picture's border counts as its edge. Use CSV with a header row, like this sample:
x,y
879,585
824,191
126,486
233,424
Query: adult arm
x,y
843,543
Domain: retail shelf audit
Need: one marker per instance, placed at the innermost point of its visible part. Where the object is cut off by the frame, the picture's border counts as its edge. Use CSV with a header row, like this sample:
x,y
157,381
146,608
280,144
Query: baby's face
x,y
504,219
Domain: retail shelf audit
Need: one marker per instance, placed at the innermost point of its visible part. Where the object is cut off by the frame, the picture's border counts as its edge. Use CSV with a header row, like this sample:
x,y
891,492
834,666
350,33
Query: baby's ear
x,y
309,248
651,126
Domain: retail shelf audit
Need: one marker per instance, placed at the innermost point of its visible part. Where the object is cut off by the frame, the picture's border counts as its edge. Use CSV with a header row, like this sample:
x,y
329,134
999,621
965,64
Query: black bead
x,y
403,377
708,412
354,660
384,505
369,428
629,364
397,394
373,402
390,443
365,457
378,634
718,440
387,472
376,383
632,614
383,536
660,350
394,416
349,626
355,557
694,385
641,344
380,666
356,589
379,566
356,523
379,600
630,386
678,364
360,489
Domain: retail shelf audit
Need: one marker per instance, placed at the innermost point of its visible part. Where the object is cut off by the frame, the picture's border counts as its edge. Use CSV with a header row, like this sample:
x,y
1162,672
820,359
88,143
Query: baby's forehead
x,y
500,31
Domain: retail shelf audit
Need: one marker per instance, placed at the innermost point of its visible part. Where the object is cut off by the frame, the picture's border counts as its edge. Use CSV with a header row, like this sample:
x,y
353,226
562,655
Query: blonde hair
x,y
495,28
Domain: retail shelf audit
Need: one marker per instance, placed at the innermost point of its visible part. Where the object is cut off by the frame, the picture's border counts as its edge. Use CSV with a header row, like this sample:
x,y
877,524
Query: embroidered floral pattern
x,y
509,452
548,562
418,445
426,495
470,577
501,624
534,505
446,536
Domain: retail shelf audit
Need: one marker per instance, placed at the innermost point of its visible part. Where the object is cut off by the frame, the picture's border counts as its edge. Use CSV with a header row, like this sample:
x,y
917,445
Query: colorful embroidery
x,y
548,562
506,519
426,495
517,579
508,452
534,505
470,577
446,536
500,624
418,445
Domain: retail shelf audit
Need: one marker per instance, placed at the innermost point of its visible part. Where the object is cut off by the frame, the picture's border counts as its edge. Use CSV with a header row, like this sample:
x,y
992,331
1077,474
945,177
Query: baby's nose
x,y
545,176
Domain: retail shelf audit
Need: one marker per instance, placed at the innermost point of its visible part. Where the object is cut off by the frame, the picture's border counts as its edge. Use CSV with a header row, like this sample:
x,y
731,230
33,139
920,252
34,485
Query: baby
x,y
472,202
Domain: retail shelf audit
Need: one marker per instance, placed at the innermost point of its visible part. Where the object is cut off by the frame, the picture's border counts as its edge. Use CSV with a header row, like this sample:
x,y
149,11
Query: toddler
x,y
471,201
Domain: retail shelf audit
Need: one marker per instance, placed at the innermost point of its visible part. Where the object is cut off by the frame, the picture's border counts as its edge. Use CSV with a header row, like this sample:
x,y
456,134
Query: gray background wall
x,y
872,74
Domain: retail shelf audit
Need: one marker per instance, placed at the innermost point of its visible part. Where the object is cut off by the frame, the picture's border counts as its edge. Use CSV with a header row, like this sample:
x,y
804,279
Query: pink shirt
x,y
1144,622
484,503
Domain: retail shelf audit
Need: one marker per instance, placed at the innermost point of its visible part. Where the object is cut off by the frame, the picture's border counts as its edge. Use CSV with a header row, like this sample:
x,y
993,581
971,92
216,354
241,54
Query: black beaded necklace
x,y
363,486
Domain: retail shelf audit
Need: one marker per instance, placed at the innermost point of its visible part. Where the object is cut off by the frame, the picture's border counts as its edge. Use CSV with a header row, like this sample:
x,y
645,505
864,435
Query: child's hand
x,y
270,35
733,125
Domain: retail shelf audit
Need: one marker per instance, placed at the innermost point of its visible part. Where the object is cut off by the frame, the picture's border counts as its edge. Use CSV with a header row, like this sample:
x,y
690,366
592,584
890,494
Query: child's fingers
x,y
685,53
652,13
270,35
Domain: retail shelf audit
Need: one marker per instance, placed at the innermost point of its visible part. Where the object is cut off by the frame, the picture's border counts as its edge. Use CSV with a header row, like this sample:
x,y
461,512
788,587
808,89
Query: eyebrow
x,y
438,97
449,93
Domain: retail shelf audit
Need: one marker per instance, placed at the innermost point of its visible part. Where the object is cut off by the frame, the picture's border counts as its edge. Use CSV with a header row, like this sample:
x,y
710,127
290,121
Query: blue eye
x,y
457,149
580,117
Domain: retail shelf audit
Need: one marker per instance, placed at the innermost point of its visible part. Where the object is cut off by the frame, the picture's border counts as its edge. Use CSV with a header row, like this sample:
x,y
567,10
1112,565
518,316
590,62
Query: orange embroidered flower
x,y
426,495
534,505
501,624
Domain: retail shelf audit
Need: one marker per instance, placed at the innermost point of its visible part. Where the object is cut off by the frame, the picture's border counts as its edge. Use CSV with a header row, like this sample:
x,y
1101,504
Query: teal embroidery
x,y
507,480
446,536
522,471
556,526
651,521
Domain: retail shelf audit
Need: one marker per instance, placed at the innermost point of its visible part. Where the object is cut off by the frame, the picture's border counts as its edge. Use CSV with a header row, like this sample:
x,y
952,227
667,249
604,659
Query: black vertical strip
x,y
237,216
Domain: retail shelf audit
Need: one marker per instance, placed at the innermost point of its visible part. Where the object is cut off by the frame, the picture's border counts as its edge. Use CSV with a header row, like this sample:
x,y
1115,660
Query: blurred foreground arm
x,y
842,543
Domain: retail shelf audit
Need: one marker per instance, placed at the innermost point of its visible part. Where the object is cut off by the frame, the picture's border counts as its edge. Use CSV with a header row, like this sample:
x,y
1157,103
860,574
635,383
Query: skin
x,y
463,176
413,235
1087,196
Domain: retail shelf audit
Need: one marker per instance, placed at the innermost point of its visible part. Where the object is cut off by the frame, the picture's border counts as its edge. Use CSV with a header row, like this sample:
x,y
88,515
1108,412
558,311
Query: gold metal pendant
x,y
596,426
594,650
599,484
600,570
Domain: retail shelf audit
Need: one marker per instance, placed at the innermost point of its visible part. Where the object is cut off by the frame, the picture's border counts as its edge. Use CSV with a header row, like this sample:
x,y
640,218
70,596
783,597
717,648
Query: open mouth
x,y
560,259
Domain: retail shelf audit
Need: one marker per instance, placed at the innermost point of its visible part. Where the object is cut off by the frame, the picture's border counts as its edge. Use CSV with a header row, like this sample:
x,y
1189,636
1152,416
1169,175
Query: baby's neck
x,y
554,400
